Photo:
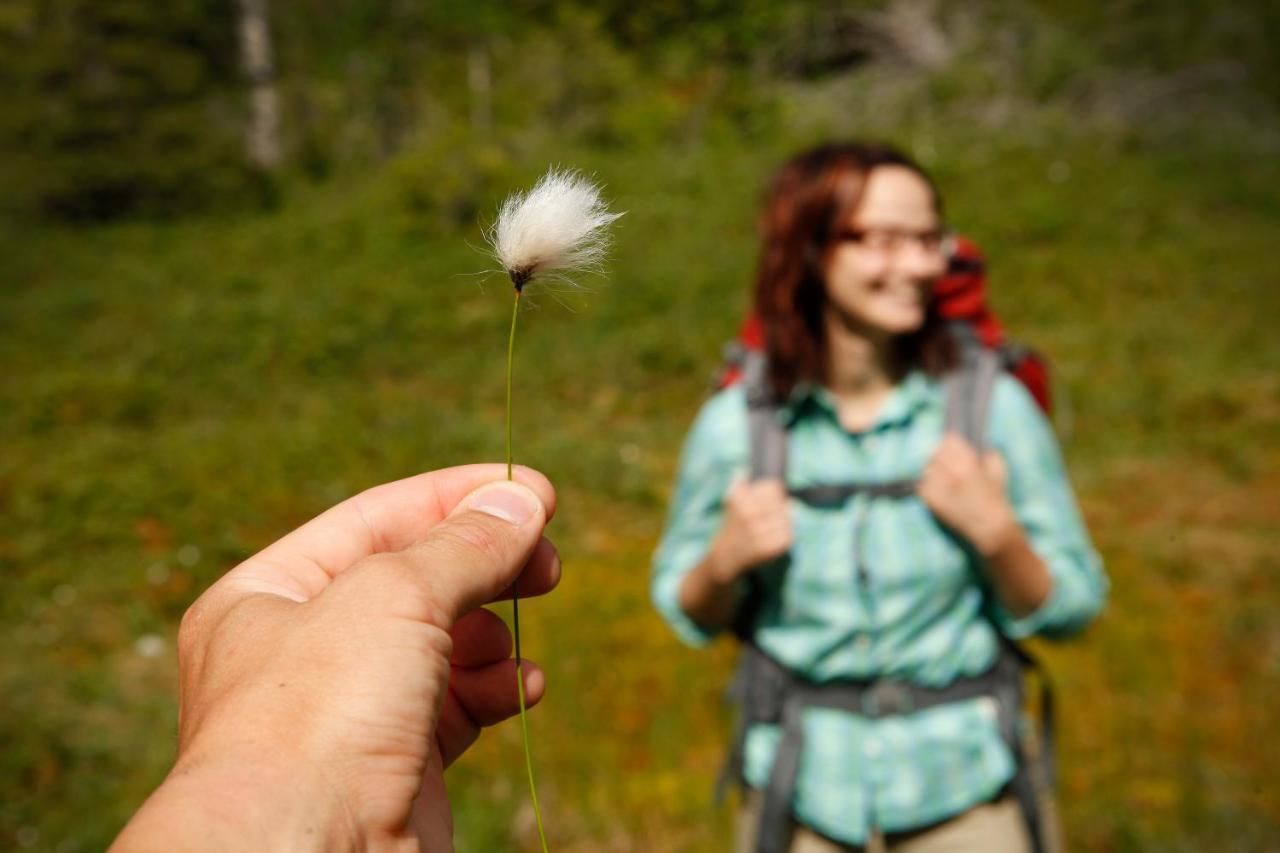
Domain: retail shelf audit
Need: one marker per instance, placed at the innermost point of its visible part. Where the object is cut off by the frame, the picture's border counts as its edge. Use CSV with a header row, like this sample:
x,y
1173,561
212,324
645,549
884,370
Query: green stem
x,y
511,352
515,595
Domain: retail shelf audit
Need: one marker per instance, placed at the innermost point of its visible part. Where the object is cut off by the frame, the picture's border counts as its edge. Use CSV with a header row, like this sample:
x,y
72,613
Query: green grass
x,y
174,396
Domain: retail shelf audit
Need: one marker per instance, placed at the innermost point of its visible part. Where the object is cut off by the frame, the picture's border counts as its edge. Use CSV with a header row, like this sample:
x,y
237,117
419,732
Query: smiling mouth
x,y
909,298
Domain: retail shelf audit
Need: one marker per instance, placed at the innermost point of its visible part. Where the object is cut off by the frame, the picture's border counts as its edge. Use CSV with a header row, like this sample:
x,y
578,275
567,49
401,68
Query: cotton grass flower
x,y
561,224
558,227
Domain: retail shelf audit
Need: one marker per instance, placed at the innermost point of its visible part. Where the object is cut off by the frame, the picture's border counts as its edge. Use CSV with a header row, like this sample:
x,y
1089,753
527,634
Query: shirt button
x,y
862,644
872,747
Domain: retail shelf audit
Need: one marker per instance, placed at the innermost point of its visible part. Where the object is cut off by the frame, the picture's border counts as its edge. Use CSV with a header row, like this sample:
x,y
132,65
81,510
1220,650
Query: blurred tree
x,y
262,134
118,107
122,107
1192,38
480,85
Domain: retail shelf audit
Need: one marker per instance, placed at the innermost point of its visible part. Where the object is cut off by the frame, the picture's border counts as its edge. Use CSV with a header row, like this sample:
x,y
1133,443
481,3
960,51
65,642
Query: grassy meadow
x,y
173,396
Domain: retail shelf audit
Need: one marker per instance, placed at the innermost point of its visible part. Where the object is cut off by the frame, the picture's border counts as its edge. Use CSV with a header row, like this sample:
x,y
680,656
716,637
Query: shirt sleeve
x,y
715,451
1046,508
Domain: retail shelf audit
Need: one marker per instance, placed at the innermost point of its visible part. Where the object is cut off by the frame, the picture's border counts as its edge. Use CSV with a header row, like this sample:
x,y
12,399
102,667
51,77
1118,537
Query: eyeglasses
x,y
891,240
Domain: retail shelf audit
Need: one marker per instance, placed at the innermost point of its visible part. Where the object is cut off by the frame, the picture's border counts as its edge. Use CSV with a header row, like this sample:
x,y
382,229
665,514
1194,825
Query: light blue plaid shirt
x,y
922,614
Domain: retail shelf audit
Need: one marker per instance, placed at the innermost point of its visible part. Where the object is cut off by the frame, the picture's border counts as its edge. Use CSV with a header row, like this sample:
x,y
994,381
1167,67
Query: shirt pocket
x,y
819,581
908,551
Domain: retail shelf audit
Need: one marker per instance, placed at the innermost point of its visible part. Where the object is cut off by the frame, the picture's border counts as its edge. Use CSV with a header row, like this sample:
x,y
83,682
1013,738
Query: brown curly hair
x,y
808,201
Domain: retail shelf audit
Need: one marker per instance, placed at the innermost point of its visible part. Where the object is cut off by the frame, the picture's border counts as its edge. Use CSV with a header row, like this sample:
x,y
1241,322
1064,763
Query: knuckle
x,y
199,625
202,628
191,628
467,535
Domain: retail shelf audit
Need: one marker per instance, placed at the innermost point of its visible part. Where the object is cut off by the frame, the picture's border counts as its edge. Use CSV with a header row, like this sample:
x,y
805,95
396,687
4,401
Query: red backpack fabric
x,y
961,295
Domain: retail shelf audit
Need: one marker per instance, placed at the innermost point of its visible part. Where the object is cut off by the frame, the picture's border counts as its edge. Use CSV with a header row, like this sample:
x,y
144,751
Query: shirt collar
x,y
914,392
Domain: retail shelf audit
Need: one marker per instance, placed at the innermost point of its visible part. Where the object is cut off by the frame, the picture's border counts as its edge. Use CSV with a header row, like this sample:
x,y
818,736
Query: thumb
x,y
478,549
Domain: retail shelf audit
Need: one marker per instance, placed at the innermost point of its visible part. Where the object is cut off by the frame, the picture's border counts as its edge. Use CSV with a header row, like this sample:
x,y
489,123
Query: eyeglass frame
x,y
944,237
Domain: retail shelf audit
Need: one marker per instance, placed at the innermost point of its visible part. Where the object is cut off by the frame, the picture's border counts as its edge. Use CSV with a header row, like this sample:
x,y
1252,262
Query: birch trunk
x,y
262,136
480,88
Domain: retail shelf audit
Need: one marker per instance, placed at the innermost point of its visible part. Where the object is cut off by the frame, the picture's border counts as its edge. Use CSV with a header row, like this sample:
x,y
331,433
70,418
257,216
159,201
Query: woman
x,y
914,589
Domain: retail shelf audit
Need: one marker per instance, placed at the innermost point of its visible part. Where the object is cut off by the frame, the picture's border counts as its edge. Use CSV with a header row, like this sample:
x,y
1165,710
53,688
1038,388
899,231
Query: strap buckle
x,y
887,698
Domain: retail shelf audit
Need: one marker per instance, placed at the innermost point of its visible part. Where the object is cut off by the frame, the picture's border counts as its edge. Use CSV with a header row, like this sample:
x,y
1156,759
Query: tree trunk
x,y
262,136
480,88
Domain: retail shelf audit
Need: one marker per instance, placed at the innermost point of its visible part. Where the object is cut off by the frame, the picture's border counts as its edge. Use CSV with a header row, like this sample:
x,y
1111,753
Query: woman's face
x,y
884,261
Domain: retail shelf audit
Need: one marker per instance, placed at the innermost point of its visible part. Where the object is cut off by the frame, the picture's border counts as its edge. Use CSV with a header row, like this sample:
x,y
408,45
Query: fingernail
x,y
506,501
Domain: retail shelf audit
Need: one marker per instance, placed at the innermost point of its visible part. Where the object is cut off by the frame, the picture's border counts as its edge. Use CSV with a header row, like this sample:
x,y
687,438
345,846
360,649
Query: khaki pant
x,y
995,827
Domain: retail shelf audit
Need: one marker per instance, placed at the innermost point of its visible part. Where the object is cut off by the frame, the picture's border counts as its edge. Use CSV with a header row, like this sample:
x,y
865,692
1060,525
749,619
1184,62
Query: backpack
x,y
766,692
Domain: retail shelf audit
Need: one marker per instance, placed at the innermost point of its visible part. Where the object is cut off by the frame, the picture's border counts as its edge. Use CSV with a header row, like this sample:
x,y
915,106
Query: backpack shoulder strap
x,y
968,389
768,437
768,460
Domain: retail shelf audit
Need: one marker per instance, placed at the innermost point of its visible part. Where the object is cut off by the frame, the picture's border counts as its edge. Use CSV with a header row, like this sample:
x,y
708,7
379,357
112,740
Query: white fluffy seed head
x,y
561,224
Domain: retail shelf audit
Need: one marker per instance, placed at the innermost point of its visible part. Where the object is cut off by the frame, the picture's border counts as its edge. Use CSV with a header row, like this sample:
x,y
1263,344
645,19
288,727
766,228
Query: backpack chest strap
x,y
835,494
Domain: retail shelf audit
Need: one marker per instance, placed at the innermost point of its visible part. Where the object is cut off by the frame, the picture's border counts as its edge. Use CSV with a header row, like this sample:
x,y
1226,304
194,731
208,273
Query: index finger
x,y
389,517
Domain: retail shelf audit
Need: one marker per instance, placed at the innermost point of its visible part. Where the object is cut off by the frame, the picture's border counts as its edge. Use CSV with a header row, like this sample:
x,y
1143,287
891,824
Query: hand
x,y
756,529
326,682
967,494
